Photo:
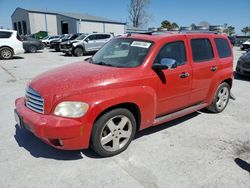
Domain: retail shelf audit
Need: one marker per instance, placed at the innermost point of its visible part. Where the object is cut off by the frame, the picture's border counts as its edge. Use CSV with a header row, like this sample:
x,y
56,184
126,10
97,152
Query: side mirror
x,y
87,40
166,63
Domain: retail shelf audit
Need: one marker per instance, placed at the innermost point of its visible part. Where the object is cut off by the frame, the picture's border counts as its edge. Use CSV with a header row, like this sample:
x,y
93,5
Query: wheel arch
x,y
132,107
7,47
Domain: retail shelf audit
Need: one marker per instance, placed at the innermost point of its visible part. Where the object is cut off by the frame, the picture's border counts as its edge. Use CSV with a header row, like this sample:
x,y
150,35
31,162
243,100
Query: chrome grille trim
x,y
34,101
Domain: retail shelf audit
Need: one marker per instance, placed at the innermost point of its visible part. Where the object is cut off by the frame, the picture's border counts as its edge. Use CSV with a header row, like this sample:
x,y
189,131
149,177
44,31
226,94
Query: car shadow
x,y
66,55
154,129
39,149
242,164
13,58
37,52
241,78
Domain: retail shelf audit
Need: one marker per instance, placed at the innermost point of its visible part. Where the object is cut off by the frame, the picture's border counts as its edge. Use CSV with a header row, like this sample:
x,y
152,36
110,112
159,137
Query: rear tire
x,y
78,51
220,99
6,53
113,132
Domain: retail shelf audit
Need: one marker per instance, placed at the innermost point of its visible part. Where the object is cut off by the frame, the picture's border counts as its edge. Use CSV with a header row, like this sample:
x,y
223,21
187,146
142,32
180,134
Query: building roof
x,y
77,16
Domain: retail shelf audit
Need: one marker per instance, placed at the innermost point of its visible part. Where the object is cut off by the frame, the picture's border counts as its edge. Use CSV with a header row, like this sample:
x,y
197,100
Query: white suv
x,y
10,44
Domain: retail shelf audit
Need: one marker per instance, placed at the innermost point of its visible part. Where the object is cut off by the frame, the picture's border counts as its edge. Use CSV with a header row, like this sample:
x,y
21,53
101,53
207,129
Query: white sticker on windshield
x,y
141,44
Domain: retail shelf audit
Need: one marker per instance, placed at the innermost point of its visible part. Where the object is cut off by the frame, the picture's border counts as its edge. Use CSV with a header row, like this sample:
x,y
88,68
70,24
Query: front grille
x,y
34,101
246,65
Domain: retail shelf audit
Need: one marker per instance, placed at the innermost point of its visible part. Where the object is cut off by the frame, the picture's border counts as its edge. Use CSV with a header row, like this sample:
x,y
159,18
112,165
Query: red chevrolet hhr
x,y
131,83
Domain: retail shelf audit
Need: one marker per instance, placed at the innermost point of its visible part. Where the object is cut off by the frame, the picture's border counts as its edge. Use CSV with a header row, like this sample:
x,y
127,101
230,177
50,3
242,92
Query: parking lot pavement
x,y
198,150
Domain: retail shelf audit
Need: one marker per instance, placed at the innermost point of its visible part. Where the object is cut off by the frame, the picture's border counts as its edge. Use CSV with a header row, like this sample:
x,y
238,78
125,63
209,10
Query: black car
x,y
31,44
56,43
243,65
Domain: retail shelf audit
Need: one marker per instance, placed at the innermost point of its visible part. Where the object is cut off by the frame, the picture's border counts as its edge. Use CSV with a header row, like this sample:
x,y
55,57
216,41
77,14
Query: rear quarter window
x,y
223,47
201,50
5,34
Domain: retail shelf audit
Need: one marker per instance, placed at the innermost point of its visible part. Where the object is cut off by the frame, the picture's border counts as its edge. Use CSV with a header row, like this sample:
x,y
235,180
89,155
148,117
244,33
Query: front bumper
x,y
59,132
242,70
66,50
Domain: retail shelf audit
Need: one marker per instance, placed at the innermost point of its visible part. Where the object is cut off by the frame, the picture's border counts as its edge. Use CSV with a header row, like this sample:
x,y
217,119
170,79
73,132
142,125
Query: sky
x,y
183,12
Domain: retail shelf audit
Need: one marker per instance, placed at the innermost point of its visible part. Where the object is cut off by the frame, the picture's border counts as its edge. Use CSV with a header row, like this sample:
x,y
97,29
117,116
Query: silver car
x,y
85,43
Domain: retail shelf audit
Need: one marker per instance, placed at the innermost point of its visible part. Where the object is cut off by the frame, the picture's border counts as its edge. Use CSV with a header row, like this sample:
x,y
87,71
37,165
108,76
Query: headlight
x,y
74,44
71,109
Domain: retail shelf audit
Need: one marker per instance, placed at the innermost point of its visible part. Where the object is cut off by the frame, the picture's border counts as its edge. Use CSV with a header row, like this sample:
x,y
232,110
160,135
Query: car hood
x,y
245,57
79,77
70,41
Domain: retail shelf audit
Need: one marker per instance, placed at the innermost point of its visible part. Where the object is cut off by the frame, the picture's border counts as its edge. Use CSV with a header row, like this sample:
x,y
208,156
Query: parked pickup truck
x,y
132,83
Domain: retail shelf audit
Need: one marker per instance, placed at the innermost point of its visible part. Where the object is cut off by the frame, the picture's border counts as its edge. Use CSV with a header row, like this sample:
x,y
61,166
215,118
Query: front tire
x,y
220,99
113,132
6,53
32,49
78,51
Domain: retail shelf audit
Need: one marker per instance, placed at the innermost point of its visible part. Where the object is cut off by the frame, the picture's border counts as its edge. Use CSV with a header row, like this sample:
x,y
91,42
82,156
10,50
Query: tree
x,y
166,24
193,26
138,13
204,23
174,25
245,30
229,30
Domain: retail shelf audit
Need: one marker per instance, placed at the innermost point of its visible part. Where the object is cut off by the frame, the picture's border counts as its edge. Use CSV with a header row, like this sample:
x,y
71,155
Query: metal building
x,y
32,21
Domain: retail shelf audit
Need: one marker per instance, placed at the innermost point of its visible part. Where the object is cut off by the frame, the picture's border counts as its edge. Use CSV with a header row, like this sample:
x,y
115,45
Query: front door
x,y
174,85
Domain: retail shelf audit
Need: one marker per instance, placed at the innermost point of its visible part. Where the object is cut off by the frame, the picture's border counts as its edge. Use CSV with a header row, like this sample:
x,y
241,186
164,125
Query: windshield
x,y
122,52
65,37
45,38
81,37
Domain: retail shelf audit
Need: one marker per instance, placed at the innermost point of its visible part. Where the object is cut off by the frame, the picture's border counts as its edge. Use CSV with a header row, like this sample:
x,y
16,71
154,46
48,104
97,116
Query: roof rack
x,y
174,32
198,31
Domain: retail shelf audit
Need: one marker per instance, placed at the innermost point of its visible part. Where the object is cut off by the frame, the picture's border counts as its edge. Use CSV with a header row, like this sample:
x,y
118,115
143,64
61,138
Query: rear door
x,y
174,85
204,67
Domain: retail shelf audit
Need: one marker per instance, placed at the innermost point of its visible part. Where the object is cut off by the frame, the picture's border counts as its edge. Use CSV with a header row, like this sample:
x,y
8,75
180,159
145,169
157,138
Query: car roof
x,y
159,36
8,30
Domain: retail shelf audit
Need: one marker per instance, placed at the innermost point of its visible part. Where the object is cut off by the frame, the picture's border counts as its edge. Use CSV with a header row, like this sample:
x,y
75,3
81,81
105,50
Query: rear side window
x,y
174,50
223,47
5,34
100,37
202,50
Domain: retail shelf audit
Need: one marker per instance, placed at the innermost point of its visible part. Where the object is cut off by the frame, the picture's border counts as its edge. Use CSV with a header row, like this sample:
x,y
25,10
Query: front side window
x,y
223,47
91,37
123,52
173,50
202,50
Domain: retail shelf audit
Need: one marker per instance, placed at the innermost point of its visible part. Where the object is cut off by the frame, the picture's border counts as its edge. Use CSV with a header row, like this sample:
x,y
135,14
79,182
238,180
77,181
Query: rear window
x,y
201,50
5,34
223,47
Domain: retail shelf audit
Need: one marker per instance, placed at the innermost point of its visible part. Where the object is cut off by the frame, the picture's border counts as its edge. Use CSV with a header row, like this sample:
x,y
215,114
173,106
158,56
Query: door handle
x,y
184,75
214,68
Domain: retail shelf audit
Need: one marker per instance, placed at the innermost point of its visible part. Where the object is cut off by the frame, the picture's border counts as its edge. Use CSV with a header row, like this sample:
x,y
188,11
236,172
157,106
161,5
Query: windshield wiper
x,y
104,63
90,59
